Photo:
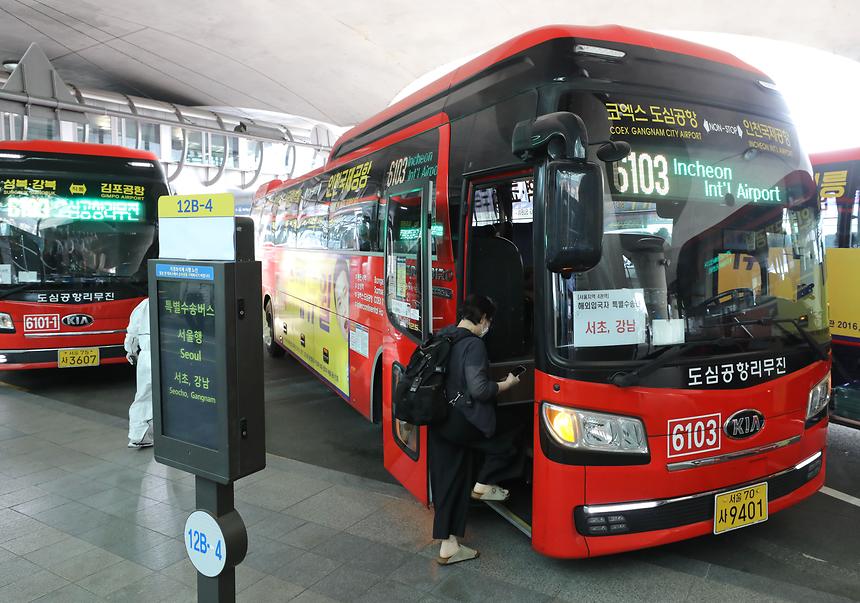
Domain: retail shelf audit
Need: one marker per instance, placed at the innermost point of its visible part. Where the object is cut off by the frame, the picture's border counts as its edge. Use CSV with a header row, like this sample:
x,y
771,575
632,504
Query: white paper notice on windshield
x,y
5,274
609,317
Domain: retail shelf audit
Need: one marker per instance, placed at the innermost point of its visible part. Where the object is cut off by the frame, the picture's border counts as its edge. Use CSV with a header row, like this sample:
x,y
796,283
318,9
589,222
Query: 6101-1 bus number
x,y
192,206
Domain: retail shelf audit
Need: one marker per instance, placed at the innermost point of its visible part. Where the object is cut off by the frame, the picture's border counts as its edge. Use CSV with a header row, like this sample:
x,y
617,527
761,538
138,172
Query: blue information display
x,y
187,341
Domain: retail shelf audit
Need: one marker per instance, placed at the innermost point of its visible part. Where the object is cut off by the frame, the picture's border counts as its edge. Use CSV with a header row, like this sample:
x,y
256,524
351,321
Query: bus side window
x,y
268,219
312,232
403,286
279,227
354,227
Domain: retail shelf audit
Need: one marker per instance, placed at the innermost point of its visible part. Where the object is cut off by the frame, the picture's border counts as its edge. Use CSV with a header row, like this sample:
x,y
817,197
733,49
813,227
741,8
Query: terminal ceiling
x,y
340,62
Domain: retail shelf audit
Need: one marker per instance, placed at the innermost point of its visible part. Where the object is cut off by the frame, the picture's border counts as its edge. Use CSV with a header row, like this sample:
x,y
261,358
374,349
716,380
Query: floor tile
x,y
390,592
338,507
32,587
15,569
307,569
346,583
114,578
85,564
269,590
267,555
364,554
308,535
471,586
154,587
35,540
50,556
71,593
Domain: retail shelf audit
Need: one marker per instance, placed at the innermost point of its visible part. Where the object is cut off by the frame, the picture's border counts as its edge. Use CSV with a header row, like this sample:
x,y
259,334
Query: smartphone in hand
x,y
518,370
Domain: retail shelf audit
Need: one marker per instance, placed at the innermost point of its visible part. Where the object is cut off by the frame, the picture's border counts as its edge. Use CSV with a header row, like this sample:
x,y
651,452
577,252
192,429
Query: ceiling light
x,y
599,51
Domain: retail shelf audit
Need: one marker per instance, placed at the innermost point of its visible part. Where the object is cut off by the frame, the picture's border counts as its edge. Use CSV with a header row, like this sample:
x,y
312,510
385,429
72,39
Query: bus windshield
x,y
60,227
711,234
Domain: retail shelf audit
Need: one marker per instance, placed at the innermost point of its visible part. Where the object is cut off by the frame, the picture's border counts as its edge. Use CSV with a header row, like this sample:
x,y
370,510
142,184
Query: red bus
x,y
77,224
837,174
641,211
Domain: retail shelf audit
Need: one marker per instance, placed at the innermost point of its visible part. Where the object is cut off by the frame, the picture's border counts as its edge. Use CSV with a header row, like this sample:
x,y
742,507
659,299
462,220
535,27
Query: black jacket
x,y
468,375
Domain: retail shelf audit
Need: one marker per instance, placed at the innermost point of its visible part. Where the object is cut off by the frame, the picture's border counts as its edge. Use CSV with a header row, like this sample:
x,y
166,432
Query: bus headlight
x,y
819,396
589,430
6,324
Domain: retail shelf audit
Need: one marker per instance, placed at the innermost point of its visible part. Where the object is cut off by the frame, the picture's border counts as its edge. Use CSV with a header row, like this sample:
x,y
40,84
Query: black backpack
x,y
419,397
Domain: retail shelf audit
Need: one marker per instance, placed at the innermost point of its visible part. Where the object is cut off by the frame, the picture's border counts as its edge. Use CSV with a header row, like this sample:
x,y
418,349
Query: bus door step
x,y
515,520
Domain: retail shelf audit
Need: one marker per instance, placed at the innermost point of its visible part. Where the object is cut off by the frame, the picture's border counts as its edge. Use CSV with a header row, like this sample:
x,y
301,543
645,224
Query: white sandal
x,y
463,553
495,494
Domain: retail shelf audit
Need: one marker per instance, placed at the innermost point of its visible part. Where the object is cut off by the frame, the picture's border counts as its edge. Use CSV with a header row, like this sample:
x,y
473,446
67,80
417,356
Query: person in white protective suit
x,y
137,353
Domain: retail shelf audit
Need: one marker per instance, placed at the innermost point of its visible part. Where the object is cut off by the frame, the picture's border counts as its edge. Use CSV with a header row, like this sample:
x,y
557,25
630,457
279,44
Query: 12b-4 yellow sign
x,y
220,205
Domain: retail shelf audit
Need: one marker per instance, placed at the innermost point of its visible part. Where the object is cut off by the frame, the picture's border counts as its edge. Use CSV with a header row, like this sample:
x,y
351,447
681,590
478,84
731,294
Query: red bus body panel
x,y
559,489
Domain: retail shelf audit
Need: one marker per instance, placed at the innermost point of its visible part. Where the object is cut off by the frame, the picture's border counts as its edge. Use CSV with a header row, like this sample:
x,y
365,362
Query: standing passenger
x,y
137,352
470,427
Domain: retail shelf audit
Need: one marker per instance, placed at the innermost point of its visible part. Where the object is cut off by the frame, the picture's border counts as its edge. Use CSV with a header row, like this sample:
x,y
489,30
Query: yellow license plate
x,y
76,358
740,508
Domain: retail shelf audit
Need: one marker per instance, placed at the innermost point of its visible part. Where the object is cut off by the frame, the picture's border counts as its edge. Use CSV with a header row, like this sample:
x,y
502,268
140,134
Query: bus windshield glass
x,y
711,234
71,225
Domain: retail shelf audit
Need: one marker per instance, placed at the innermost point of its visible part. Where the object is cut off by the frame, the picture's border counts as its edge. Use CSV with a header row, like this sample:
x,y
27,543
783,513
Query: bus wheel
x,y
274,350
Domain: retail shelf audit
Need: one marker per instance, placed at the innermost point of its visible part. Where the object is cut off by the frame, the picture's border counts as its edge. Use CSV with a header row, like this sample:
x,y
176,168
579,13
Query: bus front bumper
x,y
47,357
613,528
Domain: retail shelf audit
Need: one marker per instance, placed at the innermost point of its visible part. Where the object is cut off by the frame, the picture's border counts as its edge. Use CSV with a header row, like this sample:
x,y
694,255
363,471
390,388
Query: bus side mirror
x,y
573,216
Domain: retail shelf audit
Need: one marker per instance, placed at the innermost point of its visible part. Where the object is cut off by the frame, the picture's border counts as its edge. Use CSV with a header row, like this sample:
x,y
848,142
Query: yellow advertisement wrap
x,y
844,292
742,271
313,313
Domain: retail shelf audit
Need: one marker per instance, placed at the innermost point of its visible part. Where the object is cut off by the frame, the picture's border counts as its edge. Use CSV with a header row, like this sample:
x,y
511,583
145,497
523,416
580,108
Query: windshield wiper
x,y
628,378
819,350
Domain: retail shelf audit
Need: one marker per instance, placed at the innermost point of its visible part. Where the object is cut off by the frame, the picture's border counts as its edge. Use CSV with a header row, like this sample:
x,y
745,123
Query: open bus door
x,y
408,302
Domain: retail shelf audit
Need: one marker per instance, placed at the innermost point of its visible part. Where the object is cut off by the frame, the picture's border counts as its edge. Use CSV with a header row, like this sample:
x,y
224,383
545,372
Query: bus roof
x,y
604,33
834,156
75,148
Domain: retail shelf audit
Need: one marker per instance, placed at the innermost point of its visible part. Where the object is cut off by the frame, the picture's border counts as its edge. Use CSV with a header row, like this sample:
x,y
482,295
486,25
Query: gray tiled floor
x,y
83,518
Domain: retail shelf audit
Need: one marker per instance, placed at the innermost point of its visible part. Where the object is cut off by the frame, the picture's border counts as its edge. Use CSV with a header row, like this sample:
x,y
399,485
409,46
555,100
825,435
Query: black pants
x,y
453,444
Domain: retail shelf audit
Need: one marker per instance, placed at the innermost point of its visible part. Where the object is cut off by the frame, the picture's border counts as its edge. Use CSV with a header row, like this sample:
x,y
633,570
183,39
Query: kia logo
x,y
78,320
744,424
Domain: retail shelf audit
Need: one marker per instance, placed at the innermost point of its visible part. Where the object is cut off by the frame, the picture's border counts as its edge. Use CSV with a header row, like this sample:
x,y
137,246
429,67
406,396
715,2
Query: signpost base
x,y
217,499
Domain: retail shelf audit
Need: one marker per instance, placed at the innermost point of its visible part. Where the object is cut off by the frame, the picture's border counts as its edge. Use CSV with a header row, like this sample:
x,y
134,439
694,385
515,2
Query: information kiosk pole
x,y
207,373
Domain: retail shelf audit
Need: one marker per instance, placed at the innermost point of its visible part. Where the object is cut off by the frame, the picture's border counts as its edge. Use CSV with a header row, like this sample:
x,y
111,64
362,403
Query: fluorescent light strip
x,y
620,508
808,461
599,51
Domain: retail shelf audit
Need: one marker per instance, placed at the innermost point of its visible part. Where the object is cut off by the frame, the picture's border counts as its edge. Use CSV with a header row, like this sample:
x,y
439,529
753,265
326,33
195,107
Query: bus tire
x,y
272,347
